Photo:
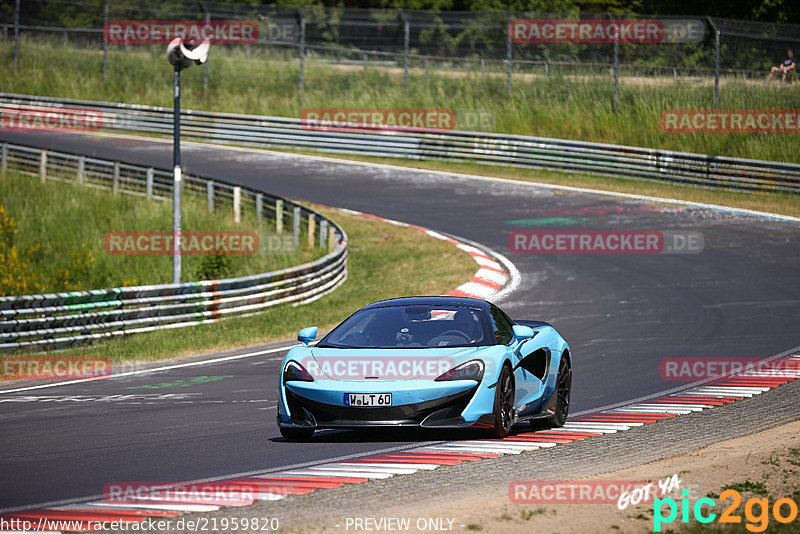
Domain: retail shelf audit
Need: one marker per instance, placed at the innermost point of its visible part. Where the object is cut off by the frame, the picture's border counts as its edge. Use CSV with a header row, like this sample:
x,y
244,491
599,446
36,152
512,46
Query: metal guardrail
x,y
478,147
58,320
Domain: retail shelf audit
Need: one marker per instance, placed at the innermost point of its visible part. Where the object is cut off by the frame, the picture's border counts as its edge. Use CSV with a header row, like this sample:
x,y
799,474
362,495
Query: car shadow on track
x,y
403,435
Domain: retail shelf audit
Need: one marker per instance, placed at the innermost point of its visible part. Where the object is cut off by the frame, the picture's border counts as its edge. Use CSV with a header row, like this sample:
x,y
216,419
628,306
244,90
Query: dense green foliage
x,y
74,14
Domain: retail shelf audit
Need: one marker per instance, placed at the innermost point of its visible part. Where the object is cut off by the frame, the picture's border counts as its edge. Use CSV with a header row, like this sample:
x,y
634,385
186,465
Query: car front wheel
x,y
504,404
563,389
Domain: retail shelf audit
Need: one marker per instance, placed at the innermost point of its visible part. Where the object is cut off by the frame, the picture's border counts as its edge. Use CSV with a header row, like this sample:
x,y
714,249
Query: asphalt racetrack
x,y
621,313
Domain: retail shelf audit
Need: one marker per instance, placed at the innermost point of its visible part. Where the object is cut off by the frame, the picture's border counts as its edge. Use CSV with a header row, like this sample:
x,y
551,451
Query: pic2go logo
x,y
757,521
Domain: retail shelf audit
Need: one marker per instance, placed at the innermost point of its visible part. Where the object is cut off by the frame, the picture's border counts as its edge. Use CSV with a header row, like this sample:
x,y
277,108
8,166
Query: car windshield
x,y
410,327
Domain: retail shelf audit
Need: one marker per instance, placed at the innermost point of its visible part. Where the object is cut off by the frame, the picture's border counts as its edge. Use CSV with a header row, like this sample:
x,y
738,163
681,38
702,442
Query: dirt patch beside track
x,y
759,458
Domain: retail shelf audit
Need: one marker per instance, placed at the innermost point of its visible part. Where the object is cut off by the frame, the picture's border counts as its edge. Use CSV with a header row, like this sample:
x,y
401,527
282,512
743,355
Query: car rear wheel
x,y
504,403
563,389
297,434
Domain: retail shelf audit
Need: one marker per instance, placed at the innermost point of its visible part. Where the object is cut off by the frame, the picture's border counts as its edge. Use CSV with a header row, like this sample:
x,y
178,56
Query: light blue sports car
x,y
432,362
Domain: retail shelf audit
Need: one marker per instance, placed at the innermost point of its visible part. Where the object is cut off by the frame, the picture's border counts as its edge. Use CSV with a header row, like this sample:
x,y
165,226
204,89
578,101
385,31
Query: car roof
x,y
444,300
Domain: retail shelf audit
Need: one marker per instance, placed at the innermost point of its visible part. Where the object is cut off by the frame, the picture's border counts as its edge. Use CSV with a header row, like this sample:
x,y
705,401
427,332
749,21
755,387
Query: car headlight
x,y
295,371
471,370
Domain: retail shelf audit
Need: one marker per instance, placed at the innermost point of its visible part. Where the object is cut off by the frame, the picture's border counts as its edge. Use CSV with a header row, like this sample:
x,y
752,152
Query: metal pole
x,y
508,52
406,38
205,65
302,52
16,35
176,184
716,62
615,70
105,42
716,73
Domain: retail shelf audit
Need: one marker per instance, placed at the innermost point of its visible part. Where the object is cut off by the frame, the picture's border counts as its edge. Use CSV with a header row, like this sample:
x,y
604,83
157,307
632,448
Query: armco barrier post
x,y
210,196
237,204
149,185
331,240
296,225
311,227
4,160
259,207
115,179
43,166
81,169
323,233
279,216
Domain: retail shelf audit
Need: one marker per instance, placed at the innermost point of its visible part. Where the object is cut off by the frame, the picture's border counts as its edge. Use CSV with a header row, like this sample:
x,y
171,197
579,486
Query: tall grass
x,y
59,229
575,107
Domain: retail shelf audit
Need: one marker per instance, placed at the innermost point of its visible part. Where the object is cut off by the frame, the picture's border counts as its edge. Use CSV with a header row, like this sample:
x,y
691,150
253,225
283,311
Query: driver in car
x,y
464,321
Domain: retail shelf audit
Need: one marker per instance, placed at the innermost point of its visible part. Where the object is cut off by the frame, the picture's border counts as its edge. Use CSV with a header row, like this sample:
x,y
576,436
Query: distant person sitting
x,y
787,67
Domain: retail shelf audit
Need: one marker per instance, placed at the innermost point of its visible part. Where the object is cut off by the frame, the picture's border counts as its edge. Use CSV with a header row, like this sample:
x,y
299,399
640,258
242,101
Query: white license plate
x,y
368,399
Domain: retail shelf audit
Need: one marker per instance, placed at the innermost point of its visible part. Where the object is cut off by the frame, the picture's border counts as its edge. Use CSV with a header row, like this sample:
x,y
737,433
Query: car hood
x,y
386,364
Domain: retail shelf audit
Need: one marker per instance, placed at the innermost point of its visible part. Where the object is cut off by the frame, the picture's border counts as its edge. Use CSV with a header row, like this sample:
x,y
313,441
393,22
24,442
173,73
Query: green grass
x,y
758,488
555,106
384,261
52,239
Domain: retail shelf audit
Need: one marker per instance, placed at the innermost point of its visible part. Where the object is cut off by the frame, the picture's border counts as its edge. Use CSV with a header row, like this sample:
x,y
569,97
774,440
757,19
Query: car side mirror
x,y
307,335
521,332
